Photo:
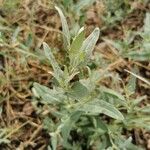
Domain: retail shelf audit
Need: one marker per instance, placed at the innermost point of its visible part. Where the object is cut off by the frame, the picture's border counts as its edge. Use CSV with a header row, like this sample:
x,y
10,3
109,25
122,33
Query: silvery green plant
x,y
78,103
143,54
114,11
140,51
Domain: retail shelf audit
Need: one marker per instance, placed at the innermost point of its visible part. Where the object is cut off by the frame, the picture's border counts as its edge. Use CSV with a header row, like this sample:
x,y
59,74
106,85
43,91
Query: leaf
x,y
115,94
131,86
77,42
116,44
147,24
139,77
67,125
145,109
4,141
82,4
143,55
78,91
138,100
49,148
140,121
90,83
101,107
29,40
15,35
65,27
49,96
54,140
101,125
67,3
89,43
126,143
57,71
78,60
75,55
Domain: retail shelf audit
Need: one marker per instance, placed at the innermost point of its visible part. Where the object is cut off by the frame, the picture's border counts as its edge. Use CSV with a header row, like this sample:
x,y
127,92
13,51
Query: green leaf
x,y
145,109
96,107
68,124
65,27
77,42
131,86
82,4
15,35
67,3
29,40
54,140
89,43
140,121
49,96
116,44
75,54
125,143
143,55
78,91
4,141
101,126
147,24
49,148
57,71
77,60
138,100
115,94
139,77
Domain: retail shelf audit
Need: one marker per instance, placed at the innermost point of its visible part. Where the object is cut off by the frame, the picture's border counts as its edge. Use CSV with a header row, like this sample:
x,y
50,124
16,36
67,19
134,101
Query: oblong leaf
x,y
49,96
82,4
118,97
89,43
54,140
78,91
147,23
65,27
77,42
143,55
68,124
101,107
57,71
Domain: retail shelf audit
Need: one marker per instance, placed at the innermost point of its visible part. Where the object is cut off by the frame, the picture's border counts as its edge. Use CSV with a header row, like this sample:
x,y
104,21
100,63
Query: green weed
x,y
87,114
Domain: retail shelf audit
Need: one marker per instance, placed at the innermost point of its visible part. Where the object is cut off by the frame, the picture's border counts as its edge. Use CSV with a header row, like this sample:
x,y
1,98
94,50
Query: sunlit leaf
x,y
77,42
